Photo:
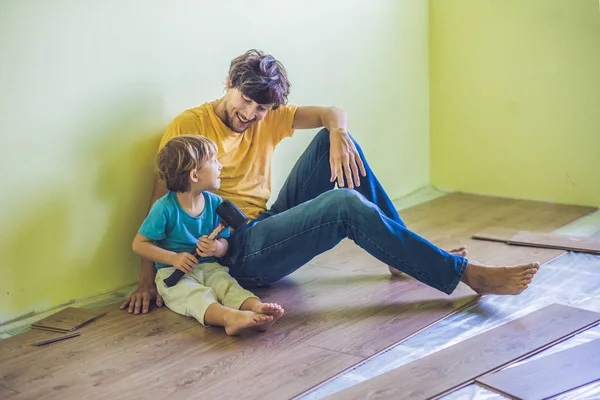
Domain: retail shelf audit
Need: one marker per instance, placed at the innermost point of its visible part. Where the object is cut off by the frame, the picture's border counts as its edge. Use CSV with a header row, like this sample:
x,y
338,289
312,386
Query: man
x,y
308,217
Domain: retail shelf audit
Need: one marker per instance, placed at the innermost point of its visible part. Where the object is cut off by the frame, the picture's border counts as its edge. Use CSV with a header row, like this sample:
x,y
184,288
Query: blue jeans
x,y
309,218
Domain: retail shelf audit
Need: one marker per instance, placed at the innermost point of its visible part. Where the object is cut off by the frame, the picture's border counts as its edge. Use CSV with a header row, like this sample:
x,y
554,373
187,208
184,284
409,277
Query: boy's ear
x,y
228,84
194,176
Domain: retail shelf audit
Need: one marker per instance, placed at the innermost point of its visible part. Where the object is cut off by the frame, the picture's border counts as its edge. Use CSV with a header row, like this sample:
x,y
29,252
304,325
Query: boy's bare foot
x,y
499,280
238,320
272,309
461,251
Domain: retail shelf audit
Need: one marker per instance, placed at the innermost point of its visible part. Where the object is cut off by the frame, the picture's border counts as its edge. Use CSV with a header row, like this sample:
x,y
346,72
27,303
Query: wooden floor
x,y
341,309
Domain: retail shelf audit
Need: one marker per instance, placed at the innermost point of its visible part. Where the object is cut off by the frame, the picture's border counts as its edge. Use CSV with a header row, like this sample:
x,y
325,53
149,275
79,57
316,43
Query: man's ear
x,y
194,176
228,84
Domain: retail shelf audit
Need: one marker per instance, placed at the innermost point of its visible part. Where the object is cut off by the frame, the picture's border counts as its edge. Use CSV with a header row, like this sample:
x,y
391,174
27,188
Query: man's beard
x,y
229,122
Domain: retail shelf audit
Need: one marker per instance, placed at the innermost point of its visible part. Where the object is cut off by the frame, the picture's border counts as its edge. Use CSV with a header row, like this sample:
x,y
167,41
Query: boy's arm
x,y
147,249
146,291
212,248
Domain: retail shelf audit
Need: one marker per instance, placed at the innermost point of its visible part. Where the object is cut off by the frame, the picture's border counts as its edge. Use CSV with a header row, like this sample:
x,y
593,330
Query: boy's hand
x,y
184,262
211,247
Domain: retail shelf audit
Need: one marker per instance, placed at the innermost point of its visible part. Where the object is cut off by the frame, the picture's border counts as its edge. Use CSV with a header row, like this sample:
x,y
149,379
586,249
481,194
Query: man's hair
x,y
260,77
181,155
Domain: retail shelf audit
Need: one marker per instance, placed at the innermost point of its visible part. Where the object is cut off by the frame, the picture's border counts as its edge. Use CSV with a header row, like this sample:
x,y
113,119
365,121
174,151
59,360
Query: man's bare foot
x,y
499,280
461,251
272,309
237,320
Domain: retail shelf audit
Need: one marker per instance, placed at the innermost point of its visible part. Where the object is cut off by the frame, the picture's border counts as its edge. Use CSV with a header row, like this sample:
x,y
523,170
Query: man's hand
x,y
184,262
141,298
344,159
211,247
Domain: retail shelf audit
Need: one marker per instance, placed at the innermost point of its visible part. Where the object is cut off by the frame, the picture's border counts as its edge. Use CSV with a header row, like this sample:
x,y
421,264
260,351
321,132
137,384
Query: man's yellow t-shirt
x,y
246,157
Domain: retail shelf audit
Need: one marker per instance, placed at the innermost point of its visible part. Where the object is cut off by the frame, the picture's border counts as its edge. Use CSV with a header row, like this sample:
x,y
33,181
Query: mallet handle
x,y
178,274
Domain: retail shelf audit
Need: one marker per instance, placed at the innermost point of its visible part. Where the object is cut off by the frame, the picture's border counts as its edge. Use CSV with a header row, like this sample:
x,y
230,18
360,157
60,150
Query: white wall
x,y
88,87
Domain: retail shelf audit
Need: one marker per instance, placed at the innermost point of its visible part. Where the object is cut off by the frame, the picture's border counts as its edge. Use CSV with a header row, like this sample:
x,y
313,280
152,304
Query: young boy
x,y
169,237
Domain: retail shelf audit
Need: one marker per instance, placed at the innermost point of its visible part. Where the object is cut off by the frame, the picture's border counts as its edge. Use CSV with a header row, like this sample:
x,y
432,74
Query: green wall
x,y
87,89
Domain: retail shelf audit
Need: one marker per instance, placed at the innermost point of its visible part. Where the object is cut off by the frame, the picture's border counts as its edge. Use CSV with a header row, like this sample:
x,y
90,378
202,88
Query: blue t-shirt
x,y
172,228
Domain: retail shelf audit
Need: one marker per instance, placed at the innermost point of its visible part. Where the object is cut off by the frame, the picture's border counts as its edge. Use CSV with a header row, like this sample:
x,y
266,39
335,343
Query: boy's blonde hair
x,y
181,155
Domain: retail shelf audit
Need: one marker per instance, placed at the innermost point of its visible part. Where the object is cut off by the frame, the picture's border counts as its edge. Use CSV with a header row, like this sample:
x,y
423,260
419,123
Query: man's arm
x,y
343,155
146,290
310,117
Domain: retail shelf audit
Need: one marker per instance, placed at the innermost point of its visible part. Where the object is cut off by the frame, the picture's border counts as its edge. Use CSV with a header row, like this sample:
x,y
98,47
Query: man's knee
x,y
320,144
323,135
345,201
321,140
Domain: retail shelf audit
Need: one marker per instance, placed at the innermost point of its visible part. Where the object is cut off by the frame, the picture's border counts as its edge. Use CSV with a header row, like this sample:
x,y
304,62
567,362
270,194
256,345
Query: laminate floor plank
x,y
456,366
6,393
68,319
548,376
115,333
538,239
